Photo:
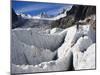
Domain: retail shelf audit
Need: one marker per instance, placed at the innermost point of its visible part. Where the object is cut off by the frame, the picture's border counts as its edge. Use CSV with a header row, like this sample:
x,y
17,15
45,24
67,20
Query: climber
x,y
77,25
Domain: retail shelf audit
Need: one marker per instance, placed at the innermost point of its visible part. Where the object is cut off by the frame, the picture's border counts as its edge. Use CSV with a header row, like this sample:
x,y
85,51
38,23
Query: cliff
x,y
76,13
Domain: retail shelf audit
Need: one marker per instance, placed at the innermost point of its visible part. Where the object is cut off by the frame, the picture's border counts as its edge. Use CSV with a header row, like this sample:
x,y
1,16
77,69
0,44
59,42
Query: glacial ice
x,y
33,50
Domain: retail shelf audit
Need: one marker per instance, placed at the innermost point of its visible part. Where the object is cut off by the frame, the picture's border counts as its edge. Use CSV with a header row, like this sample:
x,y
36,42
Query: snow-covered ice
x,y
86,60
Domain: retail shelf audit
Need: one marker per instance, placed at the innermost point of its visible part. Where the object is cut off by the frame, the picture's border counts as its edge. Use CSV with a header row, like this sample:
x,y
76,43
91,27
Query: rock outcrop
x,y
76,13
14,16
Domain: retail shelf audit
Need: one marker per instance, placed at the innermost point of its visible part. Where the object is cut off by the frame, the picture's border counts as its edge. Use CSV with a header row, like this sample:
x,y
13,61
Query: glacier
x,y
36,50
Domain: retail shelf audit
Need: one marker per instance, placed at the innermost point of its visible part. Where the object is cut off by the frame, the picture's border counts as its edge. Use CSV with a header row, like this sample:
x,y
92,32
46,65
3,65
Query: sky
x,y
35,8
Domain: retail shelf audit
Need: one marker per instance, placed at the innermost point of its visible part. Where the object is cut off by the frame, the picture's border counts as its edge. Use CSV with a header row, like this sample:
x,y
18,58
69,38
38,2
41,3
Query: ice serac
x,y
55,30
61,64
88,59
92,34
67,43
28,54
31,47
46,41
33,50
17,49
79,49
70,39
84,43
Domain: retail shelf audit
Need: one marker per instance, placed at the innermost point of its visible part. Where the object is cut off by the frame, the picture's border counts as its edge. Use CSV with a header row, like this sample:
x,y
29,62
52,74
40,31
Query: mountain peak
x,y
43,15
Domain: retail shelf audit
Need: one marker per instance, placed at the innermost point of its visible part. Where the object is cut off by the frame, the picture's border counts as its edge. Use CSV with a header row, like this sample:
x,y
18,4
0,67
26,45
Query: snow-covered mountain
x,y
27,20
44,16
41,20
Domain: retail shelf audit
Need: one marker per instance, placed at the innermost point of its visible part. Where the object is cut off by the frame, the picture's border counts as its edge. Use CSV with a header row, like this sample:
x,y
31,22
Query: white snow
x,y
55,30
57,17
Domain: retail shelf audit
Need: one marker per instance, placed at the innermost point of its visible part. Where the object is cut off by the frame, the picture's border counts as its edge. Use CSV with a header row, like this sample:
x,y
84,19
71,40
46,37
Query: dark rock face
x,y
14,16
76,13
14,19
81,12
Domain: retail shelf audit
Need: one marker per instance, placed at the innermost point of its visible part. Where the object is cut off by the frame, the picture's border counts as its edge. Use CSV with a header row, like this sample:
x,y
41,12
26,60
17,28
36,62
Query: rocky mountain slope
x,y
14,16
76,13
